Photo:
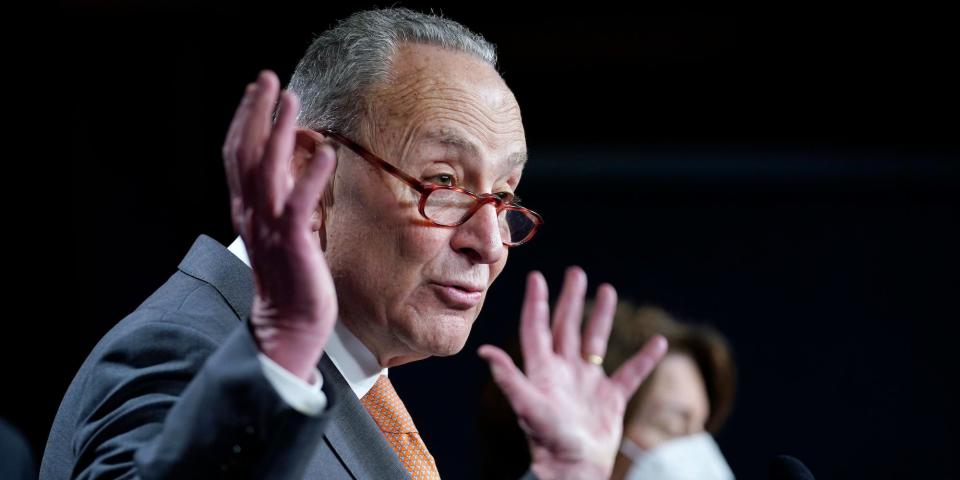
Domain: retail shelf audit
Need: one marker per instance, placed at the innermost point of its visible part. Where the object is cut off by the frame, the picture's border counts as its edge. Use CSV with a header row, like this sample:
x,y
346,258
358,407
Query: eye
x,y
445,179
671,425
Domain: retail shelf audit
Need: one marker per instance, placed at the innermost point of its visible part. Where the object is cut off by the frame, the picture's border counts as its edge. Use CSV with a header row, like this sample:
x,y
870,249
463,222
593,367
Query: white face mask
x,y
693,457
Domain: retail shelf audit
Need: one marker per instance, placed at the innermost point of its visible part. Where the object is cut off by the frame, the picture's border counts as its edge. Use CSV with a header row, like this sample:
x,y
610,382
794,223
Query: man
x,y
361,248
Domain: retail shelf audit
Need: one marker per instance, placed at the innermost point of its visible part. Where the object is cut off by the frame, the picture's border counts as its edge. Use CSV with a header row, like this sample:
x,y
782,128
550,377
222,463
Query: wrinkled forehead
x,y
440,99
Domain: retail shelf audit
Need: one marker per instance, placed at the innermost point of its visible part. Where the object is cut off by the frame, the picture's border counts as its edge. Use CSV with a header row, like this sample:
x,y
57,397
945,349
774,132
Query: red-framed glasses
x,y
449,206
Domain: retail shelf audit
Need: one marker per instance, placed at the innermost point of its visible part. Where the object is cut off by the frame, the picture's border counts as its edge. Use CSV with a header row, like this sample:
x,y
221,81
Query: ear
x,y
305,146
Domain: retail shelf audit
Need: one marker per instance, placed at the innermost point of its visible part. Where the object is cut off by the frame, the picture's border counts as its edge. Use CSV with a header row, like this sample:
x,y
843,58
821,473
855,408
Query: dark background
x,y
788,178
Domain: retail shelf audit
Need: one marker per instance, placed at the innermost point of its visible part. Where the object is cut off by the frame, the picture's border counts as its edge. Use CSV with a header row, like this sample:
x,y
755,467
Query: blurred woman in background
x,y
669,422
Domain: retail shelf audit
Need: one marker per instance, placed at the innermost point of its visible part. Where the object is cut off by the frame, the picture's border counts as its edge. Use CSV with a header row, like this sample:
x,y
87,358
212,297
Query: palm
x,y
590,405
570,409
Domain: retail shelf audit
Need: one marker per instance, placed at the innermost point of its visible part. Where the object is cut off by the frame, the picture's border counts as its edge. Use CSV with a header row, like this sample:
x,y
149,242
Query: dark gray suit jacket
x,y
175,390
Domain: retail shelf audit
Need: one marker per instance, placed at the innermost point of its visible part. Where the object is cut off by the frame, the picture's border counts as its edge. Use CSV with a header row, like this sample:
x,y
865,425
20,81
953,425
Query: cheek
x,y
420,245
643,429
497,268
406,255
645,436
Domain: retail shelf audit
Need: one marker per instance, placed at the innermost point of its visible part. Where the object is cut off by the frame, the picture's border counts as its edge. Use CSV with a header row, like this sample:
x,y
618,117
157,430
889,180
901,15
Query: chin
x,y
452,347
442,335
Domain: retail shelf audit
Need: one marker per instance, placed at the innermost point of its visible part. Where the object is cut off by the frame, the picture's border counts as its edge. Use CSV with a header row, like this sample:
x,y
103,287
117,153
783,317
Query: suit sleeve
x,y
165,401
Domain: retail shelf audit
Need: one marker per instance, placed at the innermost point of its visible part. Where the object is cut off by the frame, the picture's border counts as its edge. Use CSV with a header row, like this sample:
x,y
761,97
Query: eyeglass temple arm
x,y
373,159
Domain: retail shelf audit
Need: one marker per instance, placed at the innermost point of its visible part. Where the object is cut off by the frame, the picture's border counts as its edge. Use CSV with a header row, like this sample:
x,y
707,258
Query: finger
x,y
597,331
535,324
567,315
275,169
307,191
635,370
253,139
230,165
524,398
233,135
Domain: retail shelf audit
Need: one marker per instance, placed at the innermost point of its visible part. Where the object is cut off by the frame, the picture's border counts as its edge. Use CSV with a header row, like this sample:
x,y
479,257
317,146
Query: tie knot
x,y
388,412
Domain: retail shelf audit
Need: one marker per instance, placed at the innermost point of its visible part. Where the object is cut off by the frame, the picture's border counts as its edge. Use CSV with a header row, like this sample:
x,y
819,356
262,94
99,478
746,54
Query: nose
x,y
479,237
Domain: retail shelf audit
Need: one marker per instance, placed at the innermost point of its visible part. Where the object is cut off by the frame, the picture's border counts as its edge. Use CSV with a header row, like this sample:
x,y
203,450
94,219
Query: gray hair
x,y
338,69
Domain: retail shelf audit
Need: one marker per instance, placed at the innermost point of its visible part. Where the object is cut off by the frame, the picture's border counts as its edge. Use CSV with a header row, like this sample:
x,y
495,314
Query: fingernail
x,y
661,345
264,75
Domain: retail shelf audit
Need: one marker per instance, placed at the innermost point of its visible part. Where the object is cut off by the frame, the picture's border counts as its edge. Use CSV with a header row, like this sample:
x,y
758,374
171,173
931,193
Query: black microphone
x,y
785,467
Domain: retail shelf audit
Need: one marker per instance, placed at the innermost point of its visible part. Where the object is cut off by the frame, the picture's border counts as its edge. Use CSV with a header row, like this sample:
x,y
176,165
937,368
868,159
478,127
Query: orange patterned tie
x,y
391,416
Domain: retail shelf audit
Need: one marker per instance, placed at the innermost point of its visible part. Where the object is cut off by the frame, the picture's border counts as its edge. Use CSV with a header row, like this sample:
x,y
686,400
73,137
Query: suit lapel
x,y
354,437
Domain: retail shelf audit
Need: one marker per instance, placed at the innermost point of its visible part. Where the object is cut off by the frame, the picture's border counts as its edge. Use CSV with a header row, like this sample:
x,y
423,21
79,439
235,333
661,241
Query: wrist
x,y
297,352
557,470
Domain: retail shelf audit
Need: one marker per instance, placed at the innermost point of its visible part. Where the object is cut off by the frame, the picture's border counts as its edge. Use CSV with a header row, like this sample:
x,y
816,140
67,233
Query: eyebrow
x,y
450,139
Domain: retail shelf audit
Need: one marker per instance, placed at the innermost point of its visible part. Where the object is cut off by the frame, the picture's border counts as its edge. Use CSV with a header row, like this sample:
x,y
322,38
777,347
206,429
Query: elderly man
x,y
372,221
